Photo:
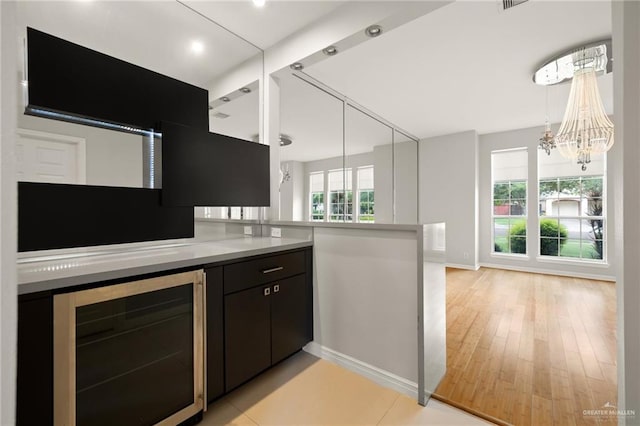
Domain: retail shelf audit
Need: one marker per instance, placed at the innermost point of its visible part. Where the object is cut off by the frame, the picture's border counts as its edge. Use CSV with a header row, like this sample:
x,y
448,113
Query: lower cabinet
x,y
288,317
214,352
263,326
34,390
259,311
247,334
266,322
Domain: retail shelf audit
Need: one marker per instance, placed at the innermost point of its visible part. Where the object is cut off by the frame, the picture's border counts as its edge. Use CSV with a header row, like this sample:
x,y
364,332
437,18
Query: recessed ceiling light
x,y
296,66
259,3
197,47
225,99
330,51
245,90
285,140
373,31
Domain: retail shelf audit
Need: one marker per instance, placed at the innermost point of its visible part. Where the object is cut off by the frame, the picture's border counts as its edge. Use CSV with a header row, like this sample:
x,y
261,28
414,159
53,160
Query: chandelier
x,y
586,129
547,142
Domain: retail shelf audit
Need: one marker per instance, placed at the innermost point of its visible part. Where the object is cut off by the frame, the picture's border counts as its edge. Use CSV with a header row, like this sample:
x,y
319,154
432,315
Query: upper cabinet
x,y
200,168
81,83
94,67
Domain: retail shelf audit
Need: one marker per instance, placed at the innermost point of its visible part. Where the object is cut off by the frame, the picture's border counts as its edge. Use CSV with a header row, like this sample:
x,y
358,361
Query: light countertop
x,y
48,273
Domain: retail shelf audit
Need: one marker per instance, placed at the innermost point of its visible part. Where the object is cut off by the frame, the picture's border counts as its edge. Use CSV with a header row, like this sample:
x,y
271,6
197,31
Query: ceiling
x,y
464,66
468,66
267,25
156,35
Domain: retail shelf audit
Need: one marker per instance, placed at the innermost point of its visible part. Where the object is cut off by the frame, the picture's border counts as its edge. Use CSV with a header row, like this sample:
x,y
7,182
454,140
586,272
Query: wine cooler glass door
x,y
129,354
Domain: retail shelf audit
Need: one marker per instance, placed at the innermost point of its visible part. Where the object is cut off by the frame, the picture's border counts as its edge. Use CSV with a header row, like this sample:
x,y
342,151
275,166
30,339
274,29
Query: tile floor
x,y
305,390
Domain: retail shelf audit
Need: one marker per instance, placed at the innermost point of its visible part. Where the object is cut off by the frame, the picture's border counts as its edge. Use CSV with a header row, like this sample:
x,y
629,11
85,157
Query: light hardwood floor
x,y
530,349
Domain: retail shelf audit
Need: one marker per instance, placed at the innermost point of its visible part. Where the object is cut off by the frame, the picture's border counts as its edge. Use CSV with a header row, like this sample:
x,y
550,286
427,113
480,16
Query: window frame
x,y
524,217
603,217
510,217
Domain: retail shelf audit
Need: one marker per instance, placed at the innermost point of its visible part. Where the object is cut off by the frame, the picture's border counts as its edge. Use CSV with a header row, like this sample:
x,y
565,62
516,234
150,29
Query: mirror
x,y
312,120
405,178
170,38
341,164
368,159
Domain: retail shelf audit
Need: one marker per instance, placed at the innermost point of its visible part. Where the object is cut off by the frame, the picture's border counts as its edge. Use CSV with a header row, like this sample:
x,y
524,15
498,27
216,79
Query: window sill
x,y
573,261
513,256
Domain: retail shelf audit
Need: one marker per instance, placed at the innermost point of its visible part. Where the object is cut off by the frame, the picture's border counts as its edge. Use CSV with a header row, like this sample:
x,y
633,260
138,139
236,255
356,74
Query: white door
x,y
47,157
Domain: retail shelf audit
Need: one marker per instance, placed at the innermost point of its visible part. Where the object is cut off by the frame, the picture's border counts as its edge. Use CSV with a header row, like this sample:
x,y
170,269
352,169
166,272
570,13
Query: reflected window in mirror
x,y
366,202
340,196
336,188
316,185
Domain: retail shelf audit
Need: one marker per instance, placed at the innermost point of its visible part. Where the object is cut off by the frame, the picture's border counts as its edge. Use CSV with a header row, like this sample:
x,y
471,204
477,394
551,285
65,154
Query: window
x,y
509,216
366,206
316,190
571,208
340,196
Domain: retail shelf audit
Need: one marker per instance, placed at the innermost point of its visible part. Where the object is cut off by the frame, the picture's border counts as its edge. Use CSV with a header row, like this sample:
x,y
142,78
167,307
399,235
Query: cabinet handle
x,y
267,291
268,271
276,288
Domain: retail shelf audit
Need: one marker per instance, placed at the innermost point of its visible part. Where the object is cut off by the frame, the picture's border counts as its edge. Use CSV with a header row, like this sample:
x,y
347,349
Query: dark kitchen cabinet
x,y
200,168
214,303
96,88
259,311
288,317
265,322
34,396
247,334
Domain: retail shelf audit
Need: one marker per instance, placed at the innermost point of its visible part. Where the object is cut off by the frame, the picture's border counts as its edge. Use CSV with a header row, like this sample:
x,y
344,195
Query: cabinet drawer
x,y
243,275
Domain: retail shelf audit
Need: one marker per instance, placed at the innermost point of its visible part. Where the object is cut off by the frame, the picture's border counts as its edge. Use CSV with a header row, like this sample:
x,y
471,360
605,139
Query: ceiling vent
x,y
221,115
508,4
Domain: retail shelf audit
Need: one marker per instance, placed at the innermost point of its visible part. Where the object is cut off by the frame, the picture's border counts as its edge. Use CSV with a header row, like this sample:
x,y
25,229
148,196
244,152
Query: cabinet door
x,y
289,317
215,334
247,334
34,402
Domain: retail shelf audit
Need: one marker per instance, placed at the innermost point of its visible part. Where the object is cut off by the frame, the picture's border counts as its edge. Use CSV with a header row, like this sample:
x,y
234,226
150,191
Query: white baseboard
x,y
462,266
375,374
549,272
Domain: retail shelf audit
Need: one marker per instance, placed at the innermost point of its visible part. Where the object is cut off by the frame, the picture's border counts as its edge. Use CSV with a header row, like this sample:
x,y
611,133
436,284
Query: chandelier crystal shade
x,y
586,129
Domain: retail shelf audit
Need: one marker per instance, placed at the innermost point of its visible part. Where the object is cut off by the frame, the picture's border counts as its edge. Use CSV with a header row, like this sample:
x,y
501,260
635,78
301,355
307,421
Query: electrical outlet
x,y
276,232
247,230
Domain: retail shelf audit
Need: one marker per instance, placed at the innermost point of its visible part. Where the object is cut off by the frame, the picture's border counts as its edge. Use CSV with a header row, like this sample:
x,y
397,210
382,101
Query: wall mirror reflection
x,y
181,40
340,166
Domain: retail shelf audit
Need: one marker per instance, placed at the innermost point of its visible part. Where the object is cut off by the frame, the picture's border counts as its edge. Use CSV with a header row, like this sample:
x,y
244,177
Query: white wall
x,y
625,155
529,138
292,192
365,285
8,211
448,192
383,183
406,182
113,158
